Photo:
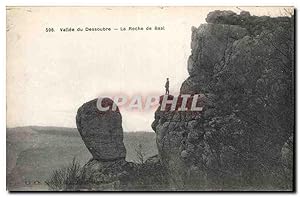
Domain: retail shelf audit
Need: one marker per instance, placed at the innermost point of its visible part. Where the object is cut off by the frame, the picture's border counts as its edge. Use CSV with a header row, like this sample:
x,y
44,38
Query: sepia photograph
x,y
169,98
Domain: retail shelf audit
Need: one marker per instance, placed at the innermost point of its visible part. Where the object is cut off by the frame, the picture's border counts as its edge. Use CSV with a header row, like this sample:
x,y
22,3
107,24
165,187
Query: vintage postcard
x,y
150,99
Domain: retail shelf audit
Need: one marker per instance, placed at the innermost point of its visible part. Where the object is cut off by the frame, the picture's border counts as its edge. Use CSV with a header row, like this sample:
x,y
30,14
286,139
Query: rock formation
x,y
243,65
101,132
243,68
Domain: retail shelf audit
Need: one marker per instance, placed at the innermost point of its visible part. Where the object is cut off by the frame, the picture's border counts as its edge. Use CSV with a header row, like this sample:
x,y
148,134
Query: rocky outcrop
x,y
102,134
243,68
243,65
177,138
108,176
101,131
212,46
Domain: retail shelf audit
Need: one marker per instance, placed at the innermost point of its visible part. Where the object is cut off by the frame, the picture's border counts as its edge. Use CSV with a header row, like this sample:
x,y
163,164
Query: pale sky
x,y
50,75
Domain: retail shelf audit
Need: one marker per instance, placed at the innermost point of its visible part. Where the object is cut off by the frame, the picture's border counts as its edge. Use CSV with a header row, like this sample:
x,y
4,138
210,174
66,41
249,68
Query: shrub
x,y
67,178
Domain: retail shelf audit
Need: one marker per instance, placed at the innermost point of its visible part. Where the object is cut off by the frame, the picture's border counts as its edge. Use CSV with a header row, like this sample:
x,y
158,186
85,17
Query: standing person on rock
x,y
167,86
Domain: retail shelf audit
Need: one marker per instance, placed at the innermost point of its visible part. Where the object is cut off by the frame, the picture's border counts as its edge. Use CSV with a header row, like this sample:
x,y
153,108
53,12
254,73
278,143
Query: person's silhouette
x,y
167,86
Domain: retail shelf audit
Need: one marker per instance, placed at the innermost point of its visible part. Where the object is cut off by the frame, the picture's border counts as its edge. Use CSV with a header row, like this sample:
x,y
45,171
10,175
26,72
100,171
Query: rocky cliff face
x,y
244,65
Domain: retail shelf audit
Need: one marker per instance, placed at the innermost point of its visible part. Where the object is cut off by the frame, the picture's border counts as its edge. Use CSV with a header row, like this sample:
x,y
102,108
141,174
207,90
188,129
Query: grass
x,y
66,179
34,152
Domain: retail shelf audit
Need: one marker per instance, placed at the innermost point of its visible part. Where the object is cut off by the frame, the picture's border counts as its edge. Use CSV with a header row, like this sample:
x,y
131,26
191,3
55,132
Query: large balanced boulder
x,y
101,131
108,170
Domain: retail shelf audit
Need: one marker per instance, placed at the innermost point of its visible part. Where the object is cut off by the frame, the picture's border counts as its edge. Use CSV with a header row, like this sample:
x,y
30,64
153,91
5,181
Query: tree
x,y
140,154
